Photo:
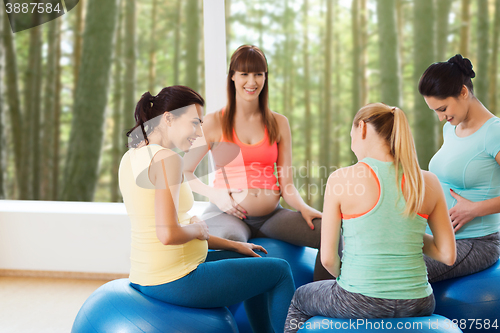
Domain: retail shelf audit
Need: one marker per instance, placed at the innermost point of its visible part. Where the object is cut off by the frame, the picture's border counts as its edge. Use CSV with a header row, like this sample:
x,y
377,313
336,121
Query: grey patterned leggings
x,y
282,224
327,298
473,255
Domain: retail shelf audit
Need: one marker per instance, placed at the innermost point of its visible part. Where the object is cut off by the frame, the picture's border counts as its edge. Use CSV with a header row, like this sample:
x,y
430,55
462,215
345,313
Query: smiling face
x,y
185,128
248,85
452,109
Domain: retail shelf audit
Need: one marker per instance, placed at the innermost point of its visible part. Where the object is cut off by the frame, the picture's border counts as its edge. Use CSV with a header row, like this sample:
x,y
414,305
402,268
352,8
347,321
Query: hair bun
x,y
464,64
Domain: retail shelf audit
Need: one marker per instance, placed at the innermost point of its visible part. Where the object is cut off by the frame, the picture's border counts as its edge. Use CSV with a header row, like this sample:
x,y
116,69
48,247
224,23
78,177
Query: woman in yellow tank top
x,y
169,259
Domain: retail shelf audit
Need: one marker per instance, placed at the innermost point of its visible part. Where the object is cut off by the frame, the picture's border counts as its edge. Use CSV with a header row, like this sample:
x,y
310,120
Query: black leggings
x,y
473,255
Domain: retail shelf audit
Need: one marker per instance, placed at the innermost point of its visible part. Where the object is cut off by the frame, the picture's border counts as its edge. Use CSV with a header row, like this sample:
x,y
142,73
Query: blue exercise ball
x,y
301,260
117,307
472,301
434,323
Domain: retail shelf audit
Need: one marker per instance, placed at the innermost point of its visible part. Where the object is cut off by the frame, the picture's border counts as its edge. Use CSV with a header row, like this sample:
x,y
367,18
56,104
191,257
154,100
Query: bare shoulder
x,y
171,159
283,126
280,119
212,120
212,126
343,175
166,163
432,184
359,171
431,180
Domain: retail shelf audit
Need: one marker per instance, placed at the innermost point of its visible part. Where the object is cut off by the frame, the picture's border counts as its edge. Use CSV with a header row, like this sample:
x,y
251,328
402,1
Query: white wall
x,y
88,237
214,21
95,237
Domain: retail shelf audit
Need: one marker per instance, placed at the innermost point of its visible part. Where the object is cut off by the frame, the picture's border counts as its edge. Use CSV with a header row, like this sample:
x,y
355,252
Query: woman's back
x,y
382,254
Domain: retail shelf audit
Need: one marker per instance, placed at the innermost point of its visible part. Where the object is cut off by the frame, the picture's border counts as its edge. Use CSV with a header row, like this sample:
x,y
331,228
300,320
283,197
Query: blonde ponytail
x,y
405,154
392,125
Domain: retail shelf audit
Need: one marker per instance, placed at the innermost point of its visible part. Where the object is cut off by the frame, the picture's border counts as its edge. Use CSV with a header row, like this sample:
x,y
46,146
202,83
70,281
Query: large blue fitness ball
x,y
434,323
301,260
117,307
472,301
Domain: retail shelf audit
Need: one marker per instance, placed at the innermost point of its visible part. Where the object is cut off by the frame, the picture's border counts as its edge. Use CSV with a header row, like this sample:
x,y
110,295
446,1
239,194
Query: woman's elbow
x,y
448,257
328,261
451,258
166,237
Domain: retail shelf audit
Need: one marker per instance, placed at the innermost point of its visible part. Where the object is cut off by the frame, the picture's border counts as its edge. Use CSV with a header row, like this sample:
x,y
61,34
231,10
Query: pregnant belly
x,y
257,202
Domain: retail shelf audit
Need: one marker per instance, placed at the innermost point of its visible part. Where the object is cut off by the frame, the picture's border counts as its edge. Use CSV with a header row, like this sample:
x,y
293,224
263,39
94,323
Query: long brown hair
x,y
391,124
248,59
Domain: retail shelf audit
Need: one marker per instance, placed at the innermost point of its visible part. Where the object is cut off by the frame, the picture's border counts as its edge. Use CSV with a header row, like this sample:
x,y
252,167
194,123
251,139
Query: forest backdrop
x,y
68,88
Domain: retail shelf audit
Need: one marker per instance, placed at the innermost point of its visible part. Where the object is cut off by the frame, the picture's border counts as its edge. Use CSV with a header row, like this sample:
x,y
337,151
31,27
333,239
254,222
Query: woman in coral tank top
x,y
247,141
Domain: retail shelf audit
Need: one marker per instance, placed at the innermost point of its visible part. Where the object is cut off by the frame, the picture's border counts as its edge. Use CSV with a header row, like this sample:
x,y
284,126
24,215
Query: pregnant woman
x,y
247,139
169,258
467,165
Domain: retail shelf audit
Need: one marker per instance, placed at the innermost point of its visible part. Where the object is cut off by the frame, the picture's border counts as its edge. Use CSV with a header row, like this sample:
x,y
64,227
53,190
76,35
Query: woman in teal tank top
x,y
467,165
381,206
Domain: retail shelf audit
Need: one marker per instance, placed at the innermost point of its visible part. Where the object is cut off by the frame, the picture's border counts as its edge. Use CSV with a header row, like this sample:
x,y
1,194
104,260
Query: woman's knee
x,y
282,267
228,227
234,234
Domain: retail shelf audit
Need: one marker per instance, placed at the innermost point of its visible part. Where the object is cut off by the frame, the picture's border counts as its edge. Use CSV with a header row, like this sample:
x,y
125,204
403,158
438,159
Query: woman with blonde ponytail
x,y
382,206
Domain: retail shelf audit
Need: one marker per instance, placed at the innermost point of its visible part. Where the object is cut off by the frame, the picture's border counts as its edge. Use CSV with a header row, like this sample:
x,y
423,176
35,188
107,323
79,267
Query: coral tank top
x,y
243,166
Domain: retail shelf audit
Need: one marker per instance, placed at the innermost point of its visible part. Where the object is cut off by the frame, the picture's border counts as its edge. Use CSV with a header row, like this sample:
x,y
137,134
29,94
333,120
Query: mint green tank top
x,y
467,166
382,254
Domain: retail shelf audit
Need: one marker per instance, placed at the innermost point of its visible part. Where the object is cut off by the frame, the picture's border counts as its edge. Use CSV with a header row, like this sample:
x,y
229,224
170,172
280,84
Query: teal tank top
x,y
382,254
467,166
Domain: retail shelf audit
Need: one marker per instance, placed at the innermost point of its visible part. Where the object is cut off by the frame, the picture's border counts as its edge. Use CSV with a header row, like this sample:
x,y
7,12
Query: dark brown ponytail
x,y
150,107
446,79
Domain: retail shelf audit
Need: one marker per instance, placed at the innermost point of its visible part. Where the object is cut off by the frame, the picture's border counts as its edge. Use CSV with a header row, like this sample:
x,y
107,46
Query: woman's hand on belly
x,y
257,201
463,212
224,201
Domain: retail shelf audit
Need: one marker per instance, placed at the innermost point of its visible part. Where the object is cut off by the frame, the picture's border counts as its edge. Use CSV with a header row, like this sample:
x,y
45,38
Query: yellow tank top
x,y
153,263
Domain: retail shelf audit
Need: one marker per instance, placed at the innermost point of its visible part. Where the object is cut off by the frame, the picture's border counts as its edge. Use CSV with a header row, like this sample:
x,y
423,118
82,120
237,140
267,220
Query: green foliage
x,y
276,27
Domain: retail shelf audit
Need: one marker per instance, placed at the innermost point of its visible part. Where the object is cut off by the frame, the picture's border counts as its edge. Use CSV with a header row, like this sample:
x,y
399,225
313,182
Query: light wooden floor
x,y
42,305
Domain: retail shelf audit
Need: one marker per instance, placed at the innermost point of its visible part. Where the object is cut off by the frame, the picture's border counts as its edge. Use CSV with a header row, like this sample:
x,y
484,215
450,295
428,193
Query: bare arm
x,y
285,173
220,197
330,228
441,244
217,243
192,158
247,249
165,174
